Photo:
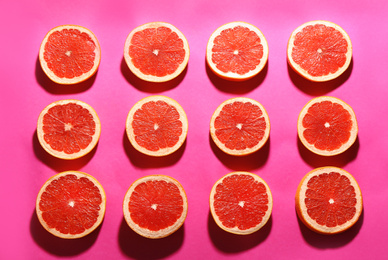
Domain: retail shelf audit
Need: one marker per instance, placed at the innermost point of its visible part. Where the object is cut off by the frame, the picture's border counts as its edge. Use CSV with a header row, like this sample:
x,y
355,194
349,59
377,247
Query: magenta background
x,y
25,91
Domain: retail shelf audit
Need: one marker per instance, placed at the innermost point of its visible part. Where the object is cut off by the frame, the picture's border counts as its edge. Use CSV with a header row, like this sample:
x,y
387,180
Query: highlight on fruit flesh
x,y
156,52
319,50
328,200
69,54
237,51
71,204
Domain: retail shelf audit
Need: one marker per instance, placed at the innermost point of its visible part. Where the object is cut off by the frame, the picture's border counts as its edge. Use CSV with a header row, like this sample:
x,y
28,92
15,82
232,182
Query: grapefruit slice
x,y
68,129
319,50
157,125
156,52
240,126
328,200
327,126
69,54
155,206
71,204
241,203
237,51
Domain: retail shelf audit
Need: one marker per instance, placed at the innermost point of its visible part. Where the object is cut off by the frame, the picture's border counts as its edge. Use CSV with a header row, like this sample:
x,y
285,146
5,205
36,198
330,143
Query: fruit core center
x,y
71,203
239,126
68,127
154,206
241,204
331,201
319,50
68,53
327,125
235,52
156,126
156,52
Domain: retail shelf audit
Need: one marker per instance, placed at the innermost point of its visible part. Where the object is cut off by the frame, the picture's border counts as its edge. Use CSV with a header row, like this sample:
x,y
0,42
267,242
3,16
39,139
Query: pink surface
x,y
25,91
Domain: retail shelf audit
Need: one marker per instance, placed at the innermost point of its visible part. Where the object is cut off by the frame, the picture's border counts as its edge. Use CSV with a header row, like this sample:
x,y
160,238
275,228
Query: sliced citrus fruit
x,y
240,126
241,203
319,50
155,206
328,200
71,204
156,52
327,126
237,51
157,125
69,54
68,129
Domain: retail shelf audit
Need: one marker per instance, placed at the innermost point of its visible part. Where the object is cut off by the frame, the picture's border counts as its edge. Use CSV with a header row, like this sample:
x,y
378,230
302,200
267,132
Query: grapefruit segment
x,y
155,206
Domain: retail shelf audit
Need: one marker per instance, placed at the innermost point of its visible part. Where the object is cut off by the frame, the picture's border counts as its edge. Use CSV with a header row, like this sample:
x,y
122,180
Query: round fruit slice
x,y
156,52
237,51
241,203
240,126
157,125
328,200
319,50
327,126
155,206
68,129
71,204
69,54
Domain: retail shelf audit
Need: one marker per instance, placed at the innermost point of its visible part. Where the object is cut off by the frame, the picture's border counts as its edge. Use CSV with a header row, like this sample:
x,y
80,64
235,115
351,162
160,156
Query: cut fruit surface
x,y
71,204
69,54
156,52
319,50
237,51
68,129
241,203
328,200
327,126
155,206
240,126
157,126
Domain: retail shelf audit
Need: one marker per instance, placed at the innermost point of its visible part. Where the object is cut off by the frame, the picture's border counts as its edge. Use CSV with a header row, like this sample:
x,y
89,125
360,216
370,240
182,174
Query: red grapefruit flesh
x,y
157,126
328,200
68,129
327,126
241,203
71,204
319,50
237,51
156,52
69,54
240,126
155,206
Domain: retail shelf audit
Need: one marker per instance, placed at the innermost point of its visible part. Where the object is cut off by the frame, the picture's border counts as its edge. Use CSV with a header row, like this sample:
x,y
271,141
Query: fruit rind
x,y
236,230
163,232
311,223
101,212
63,155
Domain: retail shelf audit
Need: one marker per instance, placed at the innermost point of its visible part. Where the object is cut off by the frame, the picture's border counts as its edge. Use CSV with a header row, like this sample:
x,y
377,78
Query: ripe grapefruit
x,y
69,54
71,204
319,50
237,51
155,206
327,126
156,52
240,126
68,129
328,200
241,203
157,125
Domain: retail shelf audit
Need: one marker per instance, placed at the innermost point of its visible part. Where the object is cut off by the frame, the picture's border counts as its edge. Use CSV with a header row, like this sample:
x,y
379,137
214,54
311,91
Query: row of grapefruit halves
x,y
72,204
158,51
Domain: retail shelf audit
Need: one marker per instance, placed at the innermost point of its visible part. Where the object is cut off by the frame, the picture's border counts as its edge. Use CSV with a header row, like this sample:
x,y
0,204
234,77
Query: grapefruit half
x,y
237,51
71,204
157,125
69,54
327,126
240,126
156,52
155,206
328,200
68,129
241,203
319,50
